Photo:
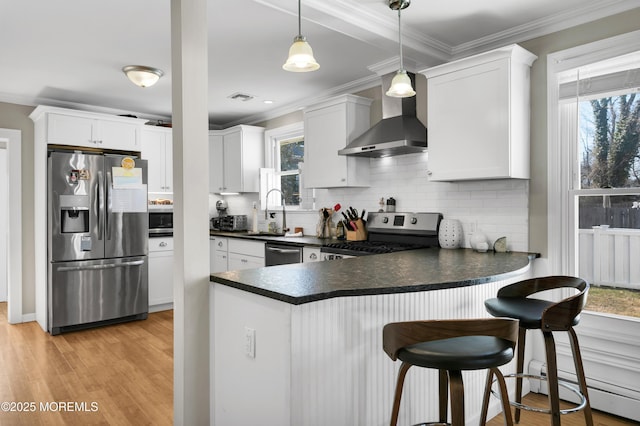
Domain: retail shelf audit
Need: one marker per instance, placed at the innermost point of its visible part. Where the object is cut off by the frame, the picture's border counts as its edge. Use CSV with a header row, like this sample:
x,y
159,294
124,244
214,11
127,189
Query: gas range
x,y
389,233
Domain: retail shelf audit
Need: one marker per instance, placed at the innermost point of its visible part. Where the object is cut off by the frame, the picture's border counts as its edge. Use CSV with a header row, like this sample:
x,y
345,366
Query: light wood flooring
x,y
114,375
529,418
125,371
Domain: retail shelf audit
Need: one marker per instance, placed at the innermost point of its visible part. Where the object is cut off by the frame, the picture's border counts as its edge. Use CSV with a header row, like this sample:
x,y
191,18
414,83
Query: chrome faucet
x,y
284,213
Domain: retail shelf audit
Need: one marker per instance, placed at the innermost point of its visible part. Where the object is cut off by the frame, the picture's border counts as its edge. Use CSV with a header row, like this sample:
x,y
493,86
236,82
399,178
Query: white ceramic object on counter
x,y
478,241
450,233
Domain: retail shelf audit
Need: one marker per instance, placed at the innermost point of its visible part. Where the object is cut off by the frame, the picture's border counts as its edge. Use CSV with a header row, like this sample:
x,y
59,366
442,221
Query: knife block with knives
x,y
360,234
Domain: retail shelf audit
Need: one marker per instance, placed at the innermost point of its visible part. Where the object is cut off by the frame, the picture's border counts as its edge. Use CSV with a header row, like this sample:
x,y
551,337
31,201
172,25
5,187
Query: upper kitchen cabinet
x,y
478,116
328,127
235,158
87,129
157,149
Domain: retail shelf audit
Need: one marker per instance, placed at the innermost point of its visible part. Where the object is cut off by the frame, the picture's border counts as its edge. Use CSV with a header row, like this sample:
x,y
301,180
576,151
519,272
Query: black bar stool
x,y
547,316
452,346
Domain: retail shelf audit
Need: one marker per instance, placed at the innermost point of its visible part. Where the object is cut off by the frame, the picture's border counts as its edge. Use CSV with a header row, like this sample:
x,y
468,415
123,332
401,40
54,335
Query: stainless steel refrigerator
x,y
97,243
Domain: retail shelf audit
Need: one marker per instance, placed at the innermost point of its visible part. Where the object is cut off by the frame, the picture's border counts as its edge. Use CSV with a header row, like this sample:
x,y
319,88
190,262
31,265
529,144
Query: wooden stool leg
x,y
396,401
457,398
504,397
522,337
486,397
443,401
552,378
582,381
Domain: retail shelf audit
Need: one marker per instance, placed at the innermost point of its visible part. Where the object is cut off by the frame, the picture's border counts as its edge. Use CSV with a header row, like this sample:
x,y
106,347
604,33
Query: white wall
x,y
496,207
4,217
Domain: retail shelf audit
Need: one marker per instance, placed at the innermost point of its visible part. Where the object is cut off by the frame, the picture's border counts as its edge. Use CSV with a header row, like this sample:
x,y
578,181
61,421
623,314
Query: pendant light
x,y
300,54
142,76
401,83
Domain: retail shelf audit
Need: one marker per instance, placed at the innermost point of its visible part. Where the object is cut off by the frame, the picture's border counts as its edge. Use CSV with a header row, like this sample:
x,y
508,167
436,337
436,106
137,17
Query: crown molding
x,y
541,27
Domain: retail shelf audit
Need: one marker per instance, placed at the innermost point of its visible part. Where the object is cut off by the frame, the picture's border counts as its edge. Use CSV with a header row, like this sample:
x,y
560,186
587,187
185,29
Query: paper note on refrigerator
x,y
129,199
126,177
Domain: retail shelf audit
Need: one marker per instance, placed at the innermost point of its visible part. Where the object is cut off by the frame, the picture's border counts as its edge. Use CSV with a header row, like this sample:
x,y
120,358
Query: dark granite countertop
x,y
305,240
401,272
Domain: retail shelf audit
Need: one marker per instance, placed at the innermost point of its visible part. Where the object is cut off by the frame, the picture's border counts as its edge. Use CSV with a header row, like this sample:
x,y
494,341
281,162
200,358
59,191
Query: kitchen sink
x,y
266,234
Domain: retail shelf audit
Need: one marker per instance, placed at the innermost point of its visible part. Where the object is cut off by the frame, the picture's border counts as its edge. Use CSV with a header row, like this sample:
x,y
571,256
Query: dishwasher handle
x,y
283,250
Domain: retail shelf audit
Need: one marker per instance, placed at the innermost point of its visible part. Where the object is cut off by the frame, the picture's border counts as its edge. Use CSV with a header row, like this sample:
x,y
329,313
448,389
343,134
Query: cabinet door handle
x,y
163,244
219,243
313,256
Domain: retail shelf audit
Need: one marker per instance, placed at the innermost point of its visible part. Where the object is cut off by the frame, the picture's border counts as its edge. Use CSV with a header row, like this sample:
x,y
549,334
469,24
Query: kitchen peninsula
x,y
301,344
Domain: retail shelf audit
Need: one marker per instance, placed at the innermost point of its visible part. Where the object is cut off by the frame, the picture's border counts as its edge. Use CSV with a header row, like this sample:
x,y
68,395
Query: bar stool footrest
x,y
565,384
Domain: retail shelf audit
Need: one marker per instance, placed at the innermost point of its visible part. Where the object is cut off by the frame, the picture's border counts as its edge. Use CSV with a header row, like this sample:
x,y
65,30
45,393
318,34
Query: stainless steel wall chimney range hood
x,y
399,132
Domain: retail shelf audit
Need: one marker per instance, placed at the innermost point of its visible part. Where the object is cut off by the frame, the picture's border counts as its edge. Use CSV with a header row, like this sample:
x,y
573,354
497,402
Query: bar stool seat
x,y
452,346
515,301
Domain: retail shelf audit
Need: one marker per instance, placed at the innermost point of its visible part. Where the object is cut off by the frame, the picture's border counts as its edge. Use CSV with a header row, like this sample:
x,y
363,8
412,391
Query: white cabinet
x,y
235,158
478,116
86,129
328,127
218,254
245,254
157,149
161,271
310,254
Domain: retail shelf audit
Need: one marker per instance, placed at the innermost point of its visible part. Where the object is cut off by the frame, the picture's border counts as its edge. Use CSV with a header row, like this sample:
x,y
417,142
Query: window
x,y
290,153
600,110
285,163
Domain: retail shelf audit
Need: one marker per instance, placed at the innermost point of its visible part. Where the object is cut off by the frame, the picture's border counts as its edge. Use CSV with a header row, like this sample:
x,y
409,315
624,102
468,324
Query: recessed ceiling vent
x,y
241,97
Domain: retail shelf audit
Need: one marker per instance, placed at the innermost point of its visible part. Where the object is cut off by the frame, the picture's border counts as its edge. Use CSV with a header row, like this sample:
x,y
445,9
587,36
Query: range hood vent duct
x,y
399,132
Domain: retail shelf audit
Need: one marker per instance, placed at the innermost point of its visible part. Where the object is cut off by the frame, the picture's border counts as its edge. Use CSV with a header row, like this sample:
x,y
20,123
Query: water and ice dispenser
x,y
74,213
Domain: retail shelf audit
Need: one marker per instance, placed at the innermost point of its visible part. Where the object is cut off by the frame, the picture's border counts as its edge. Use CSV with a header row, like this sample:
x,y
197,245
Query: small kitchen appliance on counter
x,y
230,223
388,233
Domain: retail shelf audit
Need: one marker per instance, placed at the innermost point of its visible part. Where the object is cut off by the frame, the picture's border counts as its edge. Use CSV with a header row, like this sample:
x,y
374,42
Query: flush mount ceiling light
x,y
300,53
401,83
142,76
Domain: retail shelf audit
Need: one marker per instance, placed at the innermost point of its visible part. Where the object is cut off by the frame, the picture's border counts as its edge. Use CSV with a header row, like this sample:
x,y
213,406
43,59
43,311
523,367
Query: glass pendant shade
x,y
300,57
401,86
142,76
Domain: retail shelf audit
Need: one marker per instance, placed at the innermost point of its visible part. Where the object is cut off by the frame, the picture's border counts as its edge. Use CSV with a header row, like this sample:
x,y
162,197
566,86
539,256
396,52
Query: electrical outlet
x,y
250,342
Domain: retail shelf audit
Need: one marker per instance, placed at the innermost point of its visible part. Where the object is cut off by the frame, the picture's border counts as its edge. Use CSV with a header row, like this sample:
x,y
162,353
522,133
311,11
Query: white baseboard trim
x,y
161,307
29,317
600,399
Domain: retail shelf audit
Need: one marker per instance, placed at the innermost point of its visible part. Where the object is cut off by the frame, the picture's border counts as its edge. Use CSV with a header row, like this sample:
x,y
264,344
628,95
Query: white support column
x,y
191,211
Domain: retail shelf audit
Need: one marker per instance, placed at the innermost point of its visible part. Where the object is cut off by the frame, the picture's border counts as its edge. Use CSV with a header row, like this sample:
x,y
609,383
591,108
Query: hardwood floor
x,y
115,375
529,418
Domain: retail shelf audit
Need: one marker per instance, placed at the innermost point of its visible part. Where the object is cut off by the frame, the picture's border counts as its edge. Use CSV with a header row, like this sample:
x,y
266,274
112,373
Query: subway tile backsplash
x,y
496,207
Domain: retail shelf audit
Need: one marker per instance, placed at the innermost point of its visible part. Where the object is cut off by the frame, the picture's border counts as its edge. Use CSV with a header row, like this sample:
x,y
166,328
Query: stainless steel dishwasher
x,y
281,254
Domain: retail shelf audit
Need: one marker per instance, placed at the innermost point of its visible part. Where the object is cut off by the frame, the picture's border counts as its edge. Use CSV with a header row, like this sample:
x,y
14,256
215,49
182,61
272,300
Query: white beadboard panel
x,y
340,374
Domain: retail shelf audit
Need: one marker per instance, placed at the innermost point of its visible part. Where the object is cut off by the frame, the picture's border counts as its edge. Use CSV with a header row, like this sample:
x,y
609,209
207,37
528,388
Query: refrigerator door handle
x,y
108,206
94,267
100,202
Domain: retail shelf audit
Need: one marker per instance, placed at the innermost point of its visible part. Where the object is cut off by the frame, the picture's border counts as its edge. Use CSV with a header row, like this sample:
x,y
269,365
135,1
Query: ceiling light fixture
x,y
142,76
300,53
401,83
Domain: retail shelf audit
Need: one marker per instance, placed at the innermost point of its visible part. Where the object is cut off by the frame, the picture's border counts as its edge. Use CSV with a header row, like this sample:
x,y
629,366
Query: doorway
x,y
11,218
4,219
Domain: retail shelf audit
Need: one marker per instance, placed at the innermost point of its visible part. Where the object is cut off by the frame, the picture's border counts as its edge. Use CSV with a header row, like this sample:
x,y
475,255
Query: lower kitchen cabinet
x,y
160,273
245,254
310,254
218,254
